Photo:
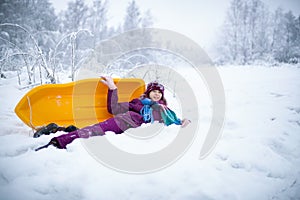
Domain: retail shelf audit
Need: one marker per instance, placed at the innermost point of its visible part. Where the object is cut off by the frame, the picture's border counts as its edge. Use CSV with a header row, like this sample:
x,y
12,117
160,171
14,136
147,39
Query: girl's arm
x,y
109,82
113,106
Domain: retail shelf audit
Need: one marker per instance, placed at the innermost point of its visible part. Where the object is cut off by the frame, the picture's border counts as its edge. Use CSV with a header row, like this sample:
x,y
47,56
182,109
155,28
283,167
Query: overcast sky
x,y
197,19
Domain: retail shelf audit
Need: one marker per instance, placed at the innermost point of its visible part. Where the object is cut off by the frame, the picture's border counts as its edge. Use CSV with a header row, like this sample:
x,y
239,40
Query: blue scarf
x,y
169,117
146,111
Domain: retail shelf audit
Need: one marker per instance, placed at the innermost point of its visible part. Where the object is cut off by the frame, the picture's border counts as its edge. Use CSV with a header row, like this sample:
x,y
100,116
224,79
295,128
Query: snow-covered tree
x,y
35,16
279,34
259,30
147,20
133,17
245,32
97,20
292,33
285,41
297,40
26,28
75,16
230,35
250,32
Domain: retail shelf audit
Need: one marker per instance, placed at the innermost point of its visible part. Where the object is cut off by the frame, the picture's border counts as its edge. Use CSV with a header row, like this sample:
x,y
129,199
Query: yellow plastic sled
x,y
79,103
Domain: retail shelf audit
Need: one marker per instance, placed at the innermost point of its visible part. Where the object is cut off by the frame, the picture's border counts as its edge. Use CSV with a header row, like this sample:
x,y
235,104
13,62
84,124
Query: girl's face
x,y
155,95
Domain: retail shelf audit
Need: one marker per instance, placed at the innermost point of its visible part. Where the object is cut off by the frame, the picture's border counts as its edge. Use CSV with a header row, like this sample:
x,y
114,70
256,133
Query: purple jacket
x,y
132,108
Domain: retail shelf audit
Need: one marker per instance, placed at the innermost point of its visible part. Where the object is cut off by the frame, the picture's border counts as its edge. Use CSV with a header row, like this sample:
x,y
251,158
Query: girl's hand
x,y
185,122
107,80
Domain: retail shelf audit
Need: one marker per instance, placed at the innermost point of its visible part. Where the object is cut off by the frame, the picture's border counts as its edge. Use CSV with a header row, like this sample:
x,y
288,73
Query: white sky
x,y
196,19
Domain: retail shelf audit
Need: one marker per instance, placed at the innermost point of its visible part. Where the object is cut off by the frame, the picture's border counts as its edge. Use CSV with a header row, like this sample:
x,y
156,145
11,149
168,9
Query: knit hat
x,y
154,86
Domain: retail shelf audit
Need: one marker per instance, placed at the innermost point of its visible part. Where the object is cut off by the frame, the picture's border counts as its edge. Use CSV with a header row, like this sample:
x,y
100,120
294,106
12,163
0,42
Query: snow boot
x,y
50,128
70,128
53,128
62,141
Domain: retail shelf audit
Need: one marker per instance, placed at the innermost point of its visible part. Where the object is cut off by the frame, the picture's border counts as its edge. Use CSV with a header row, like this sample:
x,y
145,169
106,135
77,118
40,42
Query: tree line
x,y
34,36
252,33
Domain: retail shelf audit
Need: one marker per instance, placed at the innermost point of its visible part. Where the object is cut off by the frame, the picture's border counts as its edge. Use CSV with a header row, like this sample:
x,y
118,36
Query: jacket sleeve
x,y
113,106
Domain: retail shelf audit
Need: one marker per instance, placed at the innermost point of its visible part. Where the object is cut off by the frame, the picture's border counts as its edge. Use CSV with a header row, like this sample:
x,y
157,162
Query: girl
x,y
150,107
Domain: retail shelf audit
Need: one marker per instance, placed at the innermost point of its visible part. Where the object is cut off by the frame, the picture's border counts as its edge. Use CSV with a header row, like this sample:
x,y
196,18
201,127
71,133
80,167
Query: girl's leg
x,y
118,125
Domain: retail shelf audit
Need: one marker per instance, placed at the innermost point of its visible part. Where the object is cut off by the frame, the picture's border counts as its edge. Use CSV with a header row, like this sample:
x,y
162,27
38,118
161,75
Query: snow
x,y
257,156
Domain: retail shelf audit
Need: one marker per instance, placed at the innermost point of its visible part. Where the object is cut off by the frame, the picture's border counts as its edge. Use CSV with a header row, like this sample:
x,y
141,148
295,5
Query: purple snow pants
x,y
118,124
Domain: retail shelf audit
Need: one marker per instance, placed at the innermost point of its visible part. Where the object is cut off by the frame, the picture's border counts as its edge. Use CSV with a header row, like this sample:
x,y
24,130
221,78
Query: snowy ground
x,y
258,156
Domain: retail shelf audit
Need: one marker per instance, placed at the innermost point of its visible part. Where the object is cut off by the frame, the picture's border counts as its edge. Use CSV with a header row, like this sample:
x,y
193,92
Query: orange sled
x,y
79,103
